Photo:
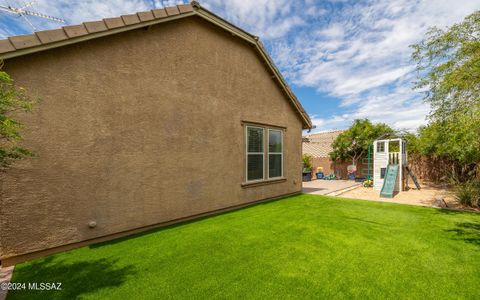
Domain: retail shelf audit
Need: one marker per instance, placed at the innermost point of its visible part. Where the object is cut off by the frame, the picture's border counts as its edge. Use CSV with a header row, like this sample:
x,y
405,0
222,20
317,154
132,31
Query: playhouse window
x,y
382,172
380,146
394,146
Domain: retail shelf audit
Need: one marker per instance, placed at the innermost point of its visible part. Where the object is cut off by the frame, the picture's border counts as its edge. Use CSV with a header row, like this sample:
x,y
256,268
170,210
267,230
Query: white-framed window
x,y
275,153
255,162
264,152
380,147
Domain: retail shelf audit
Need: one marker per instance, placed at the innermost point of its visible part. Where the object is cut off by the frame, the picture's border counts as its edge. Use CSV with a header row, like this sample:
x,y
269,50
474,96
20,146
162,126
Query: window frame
x,y
247,153
274,153
378,148
266,150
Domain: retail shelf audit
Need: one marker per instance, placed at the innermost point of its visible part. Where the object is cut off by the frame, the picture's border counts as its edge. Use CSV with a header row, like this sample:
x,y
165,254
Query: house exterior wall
x,y
136,129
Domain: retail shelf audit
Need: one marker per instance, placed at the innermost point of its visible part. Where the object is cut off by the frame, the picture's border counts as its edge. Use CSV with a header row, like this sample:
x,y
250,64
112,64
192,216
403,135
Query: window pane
x,y
393,146
255,139
274,141
255,166
274,165
380,146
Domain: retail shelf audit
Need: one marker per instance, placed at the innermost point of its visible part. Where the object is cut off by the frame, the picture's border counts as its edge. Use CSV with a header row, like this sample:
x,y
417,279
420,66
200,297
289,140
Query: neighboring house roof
x,y
43,40
319,144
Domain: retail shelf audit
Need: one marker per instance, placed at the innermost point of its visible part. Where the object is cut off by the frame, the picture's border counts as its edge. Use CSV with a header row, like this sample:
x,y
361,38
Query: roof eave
x,y
91,36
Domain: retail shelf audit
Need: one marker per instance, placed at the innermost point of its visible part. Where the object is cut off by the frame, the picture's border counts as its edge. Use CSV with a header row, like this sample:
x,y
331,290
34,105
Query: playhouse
x,y
390,167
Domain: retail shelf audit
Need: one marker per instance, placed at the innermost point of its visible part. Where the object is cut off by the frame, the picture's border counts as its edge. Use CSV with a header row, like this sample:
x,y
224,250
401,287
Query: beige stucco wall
x,y
136,129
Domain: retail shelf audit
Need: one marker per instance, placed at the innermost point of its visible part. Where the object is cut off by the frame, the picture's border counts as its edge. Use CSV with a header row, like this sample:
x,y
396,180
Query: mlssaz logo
x,y
45,286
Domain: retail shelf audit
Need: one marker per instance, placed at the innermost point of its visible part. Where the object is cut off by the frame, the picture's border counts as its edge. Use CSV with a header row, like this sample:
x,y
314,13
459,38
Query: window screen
x,y
275,153
255,153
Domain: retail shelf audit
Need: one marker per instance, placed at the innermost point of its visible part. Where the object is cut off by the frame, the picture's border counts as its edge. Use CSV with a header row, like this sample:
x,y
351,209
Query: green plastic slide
x,y
389,181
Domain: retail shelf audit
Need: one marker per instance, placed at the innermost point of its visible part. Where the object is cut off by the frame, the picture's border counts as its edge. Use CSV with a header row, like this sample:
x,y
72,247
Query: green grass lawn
x,y
304,246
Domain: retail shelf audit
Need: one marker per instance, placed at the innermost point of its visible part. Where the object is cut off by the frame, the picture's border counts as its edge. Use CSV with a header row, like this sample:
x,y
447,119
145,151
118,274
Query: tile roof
x,y
73,31
48,39
319,144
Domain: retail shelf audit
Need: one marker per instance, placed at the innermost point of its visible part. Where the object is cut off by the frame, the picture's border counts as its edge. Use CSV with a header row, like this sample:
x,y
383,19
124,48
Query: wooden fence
x,y
434,169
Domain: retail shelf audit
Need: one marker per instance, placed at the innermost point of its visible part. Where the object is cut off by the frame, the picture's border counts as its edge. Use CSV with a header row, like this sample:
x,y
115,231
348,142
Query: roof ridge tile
x,y
159,13
95,26
184,8
114,22
25,41
130,19
172,10
6,46
145,15
75,30
52,35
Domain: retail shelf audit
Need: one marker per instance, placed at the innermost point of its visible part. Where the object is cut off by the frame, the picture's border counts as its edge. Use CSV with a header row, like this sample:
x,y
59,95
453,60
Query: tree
x,y
448,67
13,99
353,143
457,143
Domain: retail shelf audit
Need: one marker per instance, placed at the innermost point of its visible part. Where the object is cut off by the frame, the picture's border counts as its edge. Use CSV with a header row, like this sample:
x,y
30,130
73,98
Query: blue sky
x,y
343,59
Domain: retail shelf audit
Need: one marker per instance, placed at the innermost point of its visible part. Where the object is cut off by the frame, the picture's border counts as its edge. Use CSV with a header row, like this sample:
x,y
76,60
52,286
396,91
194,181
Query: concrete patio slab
x,y
325,187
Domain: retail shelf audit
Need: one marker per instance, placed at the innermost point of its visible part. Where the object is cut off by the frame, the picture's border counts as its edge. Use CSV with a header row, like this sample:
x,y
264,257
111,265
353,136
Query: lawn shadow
x,y
468,232
77,278
456,211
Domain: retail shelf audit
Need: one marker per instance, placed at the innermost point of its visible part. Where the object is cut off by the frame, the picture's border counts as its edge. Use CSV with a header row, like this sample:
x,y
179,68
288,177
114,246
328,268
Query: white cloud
x,y
357,51
75,12
361,55
89,10
266,18
4,33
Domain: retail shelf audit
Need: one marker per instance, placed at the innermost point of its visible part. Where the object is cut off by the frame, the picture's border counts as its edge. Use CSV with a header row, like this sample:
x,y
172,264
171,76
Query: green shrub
x,y
307,162
13,99
468,193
